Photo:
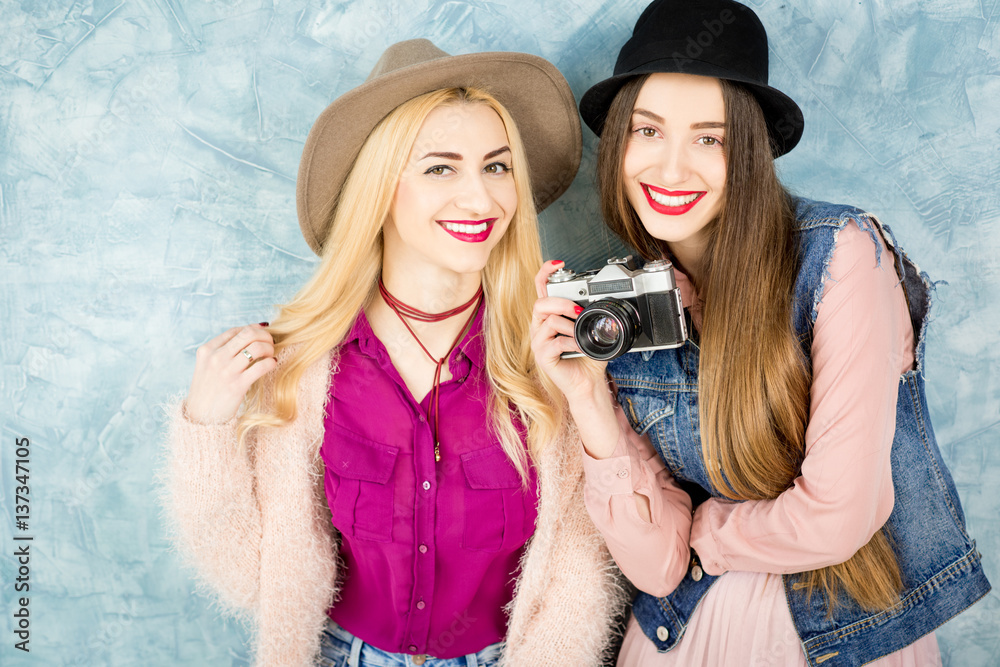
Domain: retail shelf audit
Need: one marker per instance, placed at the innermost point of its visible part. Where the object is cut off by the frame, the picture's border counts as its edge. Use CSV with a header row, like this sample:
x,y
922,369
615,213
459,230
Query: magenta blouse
x,y
429,549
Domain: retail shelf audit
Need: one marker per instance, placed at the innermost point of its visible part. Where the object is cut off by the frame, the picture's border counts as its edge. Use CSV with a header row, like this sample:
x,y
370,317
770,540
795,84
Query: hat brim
x,y
783,115
529,87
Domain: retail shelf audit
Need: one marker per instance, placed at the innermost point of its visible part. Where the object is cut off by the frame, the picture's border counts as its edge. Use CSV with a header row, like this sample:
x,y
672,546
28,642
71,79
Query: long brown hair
x,y
753,378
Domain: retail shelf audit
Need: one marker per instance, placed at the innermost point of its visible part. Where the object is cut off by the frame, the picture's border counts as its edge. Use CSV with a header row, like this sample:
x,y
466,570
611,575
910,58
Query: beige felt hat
x,y
531,88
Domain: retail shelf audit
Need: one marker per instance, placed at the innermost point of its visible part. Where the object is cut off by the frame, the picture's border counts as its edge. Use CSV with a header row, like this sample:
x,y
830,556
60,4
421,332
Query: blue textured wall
x,y
148,152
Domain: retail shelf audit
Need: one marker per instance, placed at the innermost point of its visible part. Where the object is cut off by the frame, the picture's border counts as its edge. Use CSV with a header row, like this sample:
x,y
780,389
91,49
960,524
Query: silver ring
x,y
246,353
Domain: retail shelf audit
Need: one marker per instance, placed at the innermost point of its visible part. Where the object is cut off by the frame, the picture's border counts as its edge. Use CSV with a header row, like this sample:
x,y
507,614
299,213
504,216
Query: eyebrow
x,y
657,118
456,156
492,154
446,156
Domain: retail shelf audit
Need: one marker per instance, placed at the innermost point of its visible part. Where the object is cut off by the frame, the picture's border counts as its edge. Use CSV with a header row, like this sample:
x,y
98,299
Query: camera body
x,y
625,308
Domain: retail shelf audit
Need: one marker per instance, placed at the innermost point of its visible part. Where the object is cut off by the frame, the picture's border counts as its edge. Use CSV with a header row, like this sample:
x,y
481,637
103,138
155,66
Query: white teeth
x,y
667,200
465,229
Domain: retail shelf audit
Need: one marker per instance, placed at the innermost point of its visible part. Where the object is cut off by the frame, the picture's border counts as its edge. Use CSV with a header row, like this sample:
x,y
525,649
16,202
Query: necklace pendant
x,y
437,452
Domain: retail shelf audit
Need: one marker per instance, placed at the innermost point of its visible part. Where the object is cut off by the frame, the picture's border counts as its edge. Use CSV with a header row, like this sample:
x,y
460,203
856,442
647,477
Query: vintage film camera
x,y
626,309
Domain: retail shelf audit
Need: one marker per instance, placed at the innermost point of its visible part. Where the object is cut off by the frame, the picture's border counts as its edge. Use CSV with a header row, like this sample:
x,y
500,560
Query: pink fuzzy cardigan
x,y
256,527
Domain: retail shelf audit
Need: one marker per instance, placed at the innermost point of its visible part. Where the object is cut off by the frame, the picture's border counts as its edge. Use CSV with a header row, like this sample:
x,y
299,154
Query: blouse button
x,y
623,473
422,548
427,486
421,418
421,605
412,648
662,634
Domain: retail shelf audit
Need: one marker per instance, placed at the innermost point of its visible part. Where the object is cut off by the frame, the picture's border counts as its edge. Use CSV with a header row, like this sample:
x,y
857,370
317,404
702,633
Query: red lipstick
x,y
477,237
671,210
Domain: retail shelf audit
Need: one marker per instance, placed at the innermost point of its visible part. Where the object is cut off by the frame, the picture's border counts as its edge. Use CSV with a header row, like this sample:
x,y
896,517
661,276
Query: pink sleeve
x,y
654,554
862,343
211,507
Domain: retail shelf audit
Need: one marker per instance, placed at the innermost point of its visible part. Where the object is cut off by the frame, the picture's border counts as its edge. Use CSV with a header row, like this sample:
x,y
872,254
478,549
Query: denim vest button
x,y
662,634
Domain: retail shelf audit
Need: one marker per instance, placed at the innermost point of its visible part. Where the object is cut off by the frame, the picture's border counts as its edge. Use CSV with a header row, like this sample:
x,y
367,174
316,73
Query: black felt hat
x,y
716,38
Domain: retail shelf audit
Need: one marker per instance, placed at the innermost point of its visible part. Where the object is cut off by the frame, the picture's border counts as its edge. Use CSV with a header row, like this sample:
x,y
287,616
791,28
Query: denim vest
x,y
940,566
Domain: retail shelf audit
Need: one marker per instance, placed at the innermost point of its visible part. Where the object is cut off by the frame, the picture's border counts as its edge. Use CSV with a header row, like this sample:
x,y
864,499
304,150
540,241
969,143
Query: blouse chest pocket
x,y
653,414
497,507
361,470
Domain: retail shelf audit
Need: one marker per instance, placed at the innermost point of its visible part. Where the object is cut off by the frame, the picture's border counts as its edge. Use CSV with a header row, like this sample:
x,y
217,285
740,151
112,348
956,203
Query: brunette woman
x,y
826,528
363,478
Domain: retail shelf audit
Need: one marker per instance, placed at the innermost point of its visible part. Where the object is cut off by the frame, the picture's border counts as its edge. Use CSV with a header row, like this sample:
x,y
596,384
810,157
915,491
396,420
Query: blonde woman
x,y
396,487
776,492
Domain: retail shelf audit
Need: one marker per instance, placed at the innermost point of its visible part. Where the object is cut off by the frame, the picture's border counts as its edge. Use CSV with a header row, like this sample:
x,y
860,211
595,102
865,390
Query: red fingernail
x,y
264,324
579,309
556,261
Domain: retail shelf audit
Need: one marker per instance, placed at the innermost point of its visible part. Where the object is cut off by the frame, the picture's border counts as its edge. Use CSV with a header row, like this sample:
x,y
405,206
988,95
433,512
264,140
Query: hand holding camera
x,y
604,314
625,308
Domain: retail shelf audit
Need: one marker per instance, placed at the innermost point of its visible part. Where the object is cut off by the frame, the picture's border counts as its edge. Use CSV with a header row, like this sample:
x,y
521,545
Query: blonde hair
x,y
753,377
321,314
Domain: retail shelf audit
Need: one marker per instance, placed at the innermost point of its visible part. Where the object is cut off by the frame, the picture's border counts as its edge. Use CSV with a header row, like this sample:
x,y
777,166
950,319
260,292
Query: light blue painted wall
x,y
148,151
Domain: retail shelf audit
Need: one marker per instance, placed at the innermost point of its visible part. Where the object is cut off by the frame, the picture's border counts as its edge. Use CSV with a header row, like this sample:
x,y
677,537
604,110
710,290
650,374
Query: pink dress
x,y
862,343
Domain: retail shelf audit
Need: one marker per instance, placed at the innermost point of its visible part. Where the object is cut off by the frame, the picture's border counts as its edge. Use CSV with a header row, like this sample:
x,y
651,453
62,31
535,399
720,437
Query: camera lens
x,y
606,329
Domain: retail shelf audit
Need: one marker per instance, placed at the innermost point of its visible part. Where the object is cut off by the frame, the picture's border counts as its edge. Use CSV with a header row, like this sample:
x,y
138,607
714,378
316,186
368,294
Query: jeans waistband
x,y
488,655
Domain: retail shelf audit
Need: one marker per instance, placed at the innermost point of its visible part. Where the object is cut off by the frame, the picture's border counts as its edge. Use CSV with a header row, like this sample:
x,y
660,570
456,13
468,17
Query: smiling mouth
x,y
466,227
671,202
470,231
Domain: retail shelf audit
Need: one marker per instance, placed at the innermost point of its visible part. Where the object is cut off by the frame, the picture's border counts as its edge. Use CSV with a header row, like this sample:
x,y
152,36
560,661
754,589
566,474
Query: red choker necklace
x,y
403,311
